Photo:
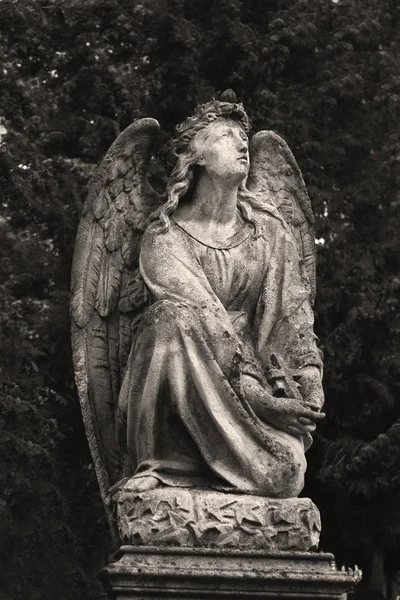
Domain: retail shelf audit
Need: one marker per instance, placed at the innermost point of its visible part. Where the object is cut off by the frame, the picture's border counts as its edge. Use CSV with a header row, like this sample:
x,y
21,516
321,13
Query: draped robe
x,y
217,312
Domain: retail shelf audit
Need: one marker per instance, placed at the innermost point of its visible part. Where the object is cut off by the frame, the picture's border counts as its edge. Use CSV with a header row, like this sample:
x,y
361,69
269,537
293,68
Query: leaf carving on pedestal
x,y
311,519
176,537
229,537
209,520
162,510
178,520
214,511
143,529
284,515
245,513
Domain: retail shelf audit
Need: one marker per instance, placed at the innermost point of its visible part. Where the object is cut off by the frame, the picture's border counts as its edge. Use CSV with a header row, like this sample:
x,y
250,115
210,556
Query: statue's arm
x,y
286,318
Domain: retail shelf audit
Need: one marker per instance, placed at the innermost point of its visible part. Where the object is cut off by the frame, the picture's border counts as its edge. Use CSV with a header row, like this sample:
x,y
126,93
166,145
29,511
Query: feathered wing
x,y
275,178
108,295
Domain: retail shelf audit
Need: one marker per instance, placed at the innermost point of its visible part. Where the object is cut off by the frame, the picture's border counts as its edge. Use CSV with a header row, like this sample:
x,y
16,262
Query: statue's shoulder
x,y
276,232
271,222
157,239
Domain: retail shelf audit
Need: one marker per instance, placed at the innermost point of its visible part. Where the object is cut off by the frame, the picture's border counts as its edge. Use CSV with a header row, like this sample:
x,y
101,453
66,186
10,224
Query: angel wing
x,y
108,295
276,178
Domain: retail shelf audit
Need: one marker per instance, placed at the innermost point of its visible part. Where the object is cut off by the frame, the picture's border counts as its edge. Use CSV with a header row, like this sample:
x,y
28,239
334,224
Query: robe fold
x,y
216,313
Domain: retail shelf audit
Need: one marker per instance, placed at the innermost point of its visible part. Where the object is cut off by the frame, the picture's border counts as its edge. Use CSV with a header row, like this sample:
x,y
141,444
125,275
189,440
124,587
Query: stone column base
x,y
212,573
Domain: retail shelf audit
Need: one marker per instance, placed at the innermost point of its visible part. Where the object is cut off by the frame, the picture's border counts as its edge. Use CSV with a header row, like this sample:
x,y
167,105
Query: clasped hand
x,y
286,414
290,415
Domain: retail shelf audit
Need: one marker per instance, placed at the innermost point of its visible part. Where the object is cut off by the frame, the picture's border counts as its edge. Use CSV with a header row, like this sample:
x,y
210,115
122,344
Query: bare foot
x,y
141,484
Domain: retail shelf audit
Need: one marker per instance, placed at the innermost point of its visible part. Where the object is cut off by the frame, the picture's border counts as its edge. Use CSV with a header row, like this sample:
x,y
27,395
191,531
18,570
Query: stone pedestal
x,y
183,544
183,573
168,516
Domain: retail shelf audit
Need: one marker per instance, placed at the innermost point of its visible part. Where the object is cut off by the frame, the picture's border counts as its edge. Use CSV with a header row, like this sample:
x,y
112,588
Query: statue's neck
x,y
212,210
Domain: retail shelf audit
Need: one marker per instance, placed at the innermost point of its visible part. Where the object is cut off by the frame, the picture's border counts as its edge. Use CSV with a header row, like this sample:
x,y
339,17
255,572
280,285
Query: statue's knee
x,y
283,475
292,479
296,484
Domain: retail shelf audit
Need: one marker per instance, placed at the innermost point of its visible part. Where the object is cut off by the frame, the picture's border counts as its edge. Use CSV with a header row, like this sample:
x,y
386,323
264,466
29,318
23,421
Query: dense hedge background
x,y
325,75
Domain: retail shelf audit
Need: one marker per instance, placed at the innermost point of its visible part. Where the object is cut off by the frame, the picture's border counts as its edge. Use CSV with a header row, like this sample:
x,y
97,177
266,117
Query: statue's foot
x,y
142,484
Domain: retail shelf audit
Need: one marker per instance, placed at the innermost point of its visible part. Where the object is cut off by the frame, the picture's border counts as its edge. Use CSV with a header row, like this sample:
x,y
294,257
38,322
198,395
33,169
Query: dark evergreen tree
x,y
324,75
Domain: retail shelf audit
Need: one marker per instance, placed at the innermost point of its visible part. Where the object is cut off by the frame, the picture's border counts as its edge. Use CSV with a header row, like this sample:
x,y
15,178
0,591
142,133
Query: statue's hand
x,y
290,415
285,414
311,387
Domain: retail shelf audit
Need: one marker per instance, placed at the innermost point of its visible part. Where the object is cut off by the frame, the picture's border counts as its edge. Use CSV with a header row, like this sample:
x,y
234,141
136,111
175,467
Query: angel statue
x,y
192,322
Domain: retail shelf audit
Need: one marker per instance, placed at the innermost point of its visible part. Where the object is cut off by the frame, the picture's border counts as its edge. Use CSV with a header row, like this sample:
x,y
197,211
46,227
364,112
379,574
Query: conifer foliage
x,y
321,73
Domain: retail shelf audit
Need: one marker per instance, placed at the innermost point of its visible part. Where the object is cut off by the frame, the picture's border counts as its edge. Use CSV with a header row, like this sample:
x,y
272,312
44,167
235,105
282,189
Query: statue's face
x,y
225,150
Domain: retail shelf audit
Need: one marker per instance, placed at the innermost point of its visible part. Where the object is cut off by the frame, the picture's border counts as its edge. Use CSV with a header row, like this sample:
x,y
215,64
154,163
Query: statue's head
x,y
192,134
214,140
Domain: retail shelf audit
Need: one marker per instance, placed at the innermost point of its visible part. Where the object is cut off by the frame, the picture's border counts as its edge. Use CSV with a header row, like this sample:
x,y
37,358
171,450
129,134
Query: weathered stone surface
x,y
192,319
202,300
204,518
185,573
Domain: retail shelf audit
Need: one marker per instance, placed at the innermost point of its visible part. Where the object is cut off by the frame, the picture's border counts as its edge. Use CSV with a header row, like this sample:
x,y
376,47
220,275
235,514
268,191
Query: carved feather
x,y
114,228
109,286
86,270
107,292
275,177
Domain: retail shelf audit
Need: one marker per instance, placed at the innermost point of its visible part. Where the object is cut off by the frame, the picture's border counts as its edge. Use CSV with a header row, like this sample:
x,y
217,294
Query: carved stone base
x,y
203,544
167,517
212,574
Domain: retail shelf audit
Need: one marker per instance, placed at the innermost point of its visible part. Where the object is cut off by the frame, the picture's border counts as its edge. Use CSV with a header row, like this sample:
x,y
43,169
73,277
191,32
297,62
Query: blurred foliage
x,y
322,74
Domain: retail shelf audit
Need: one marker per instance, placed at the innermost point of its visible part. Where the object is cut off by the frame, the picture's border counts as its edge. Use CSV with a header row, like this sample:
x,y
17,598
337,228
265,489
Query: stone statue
x,y
195,356
197,366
